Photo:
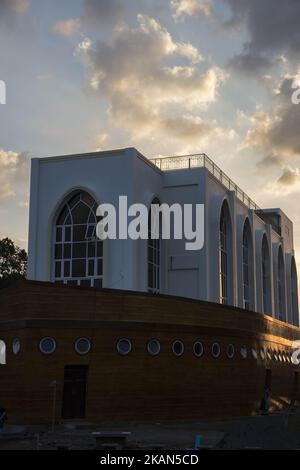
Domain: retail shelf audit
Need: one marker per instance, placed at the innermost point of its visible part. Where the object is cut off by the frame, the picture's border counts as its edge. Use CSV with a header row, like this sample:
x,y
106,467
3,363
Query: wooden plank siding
x,y
137,386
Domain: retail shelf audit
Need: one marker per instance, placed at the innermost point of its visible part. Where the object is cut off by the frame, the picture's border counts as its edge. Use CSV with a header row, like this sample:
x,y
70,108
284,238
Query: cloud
x,y
249,64
290,176
273,28
191,8
102,12
24,204
67,27
277,132
152,83
9,7
13,170
100,141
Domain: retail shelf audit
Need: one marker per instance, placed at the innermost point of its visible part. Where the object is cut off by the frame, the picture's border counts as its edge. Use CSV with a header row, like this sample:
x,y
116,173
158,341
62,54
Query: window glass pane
x,y
78,268
87,199
91,271
98,283
100,267
67,234
82,346
58,251
68,220
92,217
85,282
80,213
62,216
67,250
99,249
59,234
67,266
74,200
79,250
57,269
79,233
47,345
90,231
124,346
91,249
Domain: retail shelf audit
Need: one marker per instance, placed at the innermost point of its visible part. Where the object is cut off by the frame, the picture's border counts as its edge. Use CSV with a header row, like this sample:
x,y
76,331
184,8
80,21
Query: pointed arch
x,y
154,249
225,255
266,275
78,254
247,272
2,352
294,293
281,285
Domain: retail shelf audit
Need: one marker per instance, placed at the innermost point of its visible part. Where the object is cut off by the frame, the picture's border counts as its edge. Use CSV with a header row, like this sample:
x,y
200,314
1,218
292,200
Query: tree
x,y
13,262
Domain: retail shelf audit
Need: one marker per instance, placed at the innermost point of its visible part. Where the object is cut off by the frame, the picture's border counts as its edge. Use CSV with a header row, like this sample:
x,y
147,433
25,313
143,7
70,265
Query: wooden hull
x,y
139,386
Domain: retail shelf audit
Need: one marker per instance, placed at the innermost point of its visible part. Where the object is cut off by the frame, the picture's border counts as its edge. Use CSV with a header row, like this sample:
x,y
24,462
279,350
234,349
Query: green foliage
x,y
13,262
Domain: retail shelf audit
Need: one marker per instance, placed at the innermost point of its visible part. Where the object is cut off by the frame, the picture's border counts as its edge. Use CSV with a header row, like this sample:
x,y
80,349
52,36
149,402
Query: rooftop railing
x,y
201,160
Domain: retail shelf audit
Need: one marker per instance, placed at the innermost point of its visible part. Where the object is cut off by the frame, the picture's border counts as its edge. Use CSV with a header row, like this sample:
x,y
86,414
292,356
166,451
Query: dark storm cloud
x,y
249,64
273,28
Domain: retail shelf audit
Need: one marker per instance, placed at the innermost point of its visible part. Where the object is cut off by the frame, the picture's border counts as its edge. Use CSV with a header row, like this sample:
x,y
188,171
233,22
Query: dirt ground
x,y
275,431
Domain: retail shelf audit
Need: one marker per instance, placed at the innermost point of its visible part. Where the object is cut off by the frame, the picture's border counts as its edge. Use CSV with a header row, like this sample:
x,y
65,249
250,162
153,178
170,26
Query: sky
x,y
168,77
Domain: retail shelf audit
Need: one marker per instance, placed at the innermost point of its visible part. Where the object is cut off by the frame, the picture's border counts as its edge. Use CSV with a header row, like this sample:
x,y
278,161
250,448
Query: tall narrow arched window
x,y
294,293
266,276
246,265
281,285
225,255
2,352
78,254
154,248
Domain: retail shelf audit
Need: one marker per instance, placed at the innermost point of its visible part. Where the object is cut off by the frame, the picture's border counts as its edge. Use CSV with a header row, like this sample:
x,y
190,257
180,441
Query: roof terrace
x,y
201,160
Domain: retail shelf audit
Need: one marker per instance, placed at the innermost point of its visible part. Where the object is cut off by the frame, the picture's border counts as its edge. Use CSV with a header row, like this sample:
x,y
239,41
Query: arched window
x,y
2,352
246,265
78,254
224,255
266,275
154,248
294,293
281,285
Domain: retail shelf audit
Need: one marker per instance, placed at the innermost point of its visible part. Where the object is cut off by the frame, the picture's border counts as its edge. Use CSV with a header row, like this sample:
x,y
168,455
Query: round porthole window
x,y
16,346
178,348
153,347
244,352
83,346
254,353
47,345
216,350
230,351
124,346
198,349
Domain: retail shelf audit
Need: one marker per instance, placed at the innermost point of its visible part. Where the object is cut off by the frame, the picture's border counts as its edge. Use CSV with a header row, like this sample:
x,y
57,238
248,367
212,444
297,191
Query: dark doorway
x,y
74,395
268,381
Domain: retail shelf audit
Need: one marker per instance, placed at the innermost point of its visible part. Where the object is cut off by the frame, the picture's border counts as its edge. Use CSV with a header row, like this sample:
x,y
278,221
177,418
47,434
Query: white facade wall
x,y
194,274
